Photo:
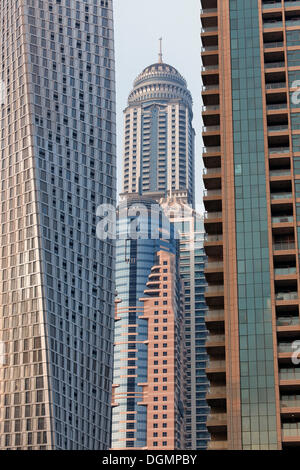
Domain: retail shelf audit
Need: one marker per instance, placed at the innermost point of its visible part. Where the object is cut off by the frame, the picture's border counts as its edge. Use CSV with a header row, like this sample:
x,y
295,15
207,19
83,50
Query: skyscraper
x,y
58,161
158,134
159,164
190,227
251,61
147,390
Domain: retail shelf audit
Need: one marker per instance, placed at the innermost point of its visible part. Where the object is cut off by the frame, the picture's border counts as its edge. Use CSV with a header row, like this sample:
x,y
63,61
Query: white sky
x,y
138,26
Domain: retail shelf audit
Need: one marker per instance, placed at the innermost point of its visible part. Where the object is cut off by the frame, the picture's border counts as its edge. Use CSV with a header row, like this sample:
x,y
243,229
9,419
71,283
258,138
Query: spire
x,y
160,56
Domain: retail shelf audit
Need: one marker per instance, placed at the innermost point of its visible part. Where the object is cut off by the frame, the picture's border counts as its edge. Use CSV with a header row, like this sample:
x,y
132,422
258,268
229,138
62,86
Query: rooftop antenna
x,y
160,56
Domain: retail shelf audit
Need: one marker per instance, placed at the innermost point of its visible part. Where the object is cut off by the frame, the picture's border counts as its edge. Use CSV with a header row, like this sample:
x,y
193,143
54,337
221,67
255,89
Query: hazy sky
x,y
138,26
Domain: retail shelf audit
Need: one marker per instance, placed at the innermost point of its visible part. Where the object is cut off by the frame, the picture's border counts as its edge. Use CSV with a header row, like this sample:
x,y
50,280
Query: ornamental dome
x,y
160,82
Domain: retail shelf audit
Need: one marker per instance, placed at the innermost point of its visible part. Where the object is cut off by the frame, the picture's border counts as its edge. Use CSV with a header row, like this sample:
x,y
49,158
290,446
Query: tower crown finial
x,y
160,55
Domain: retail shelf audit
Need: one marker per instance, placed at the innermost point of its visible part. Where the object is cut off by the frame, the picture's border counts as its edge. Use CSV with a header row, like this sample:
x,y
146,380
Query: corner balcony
x,y
217,422
216,396
211,135
211,94
216,370
214,296
215,319
215,344
213,222
214,271
212,178
212,156
209,31
213,245
213,200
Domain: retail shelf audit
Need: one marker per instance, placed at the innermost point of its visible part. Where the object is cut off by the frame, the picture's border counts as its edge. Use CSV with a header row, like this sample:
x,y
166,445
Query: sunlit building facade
x,y
58,163
251,114
148,383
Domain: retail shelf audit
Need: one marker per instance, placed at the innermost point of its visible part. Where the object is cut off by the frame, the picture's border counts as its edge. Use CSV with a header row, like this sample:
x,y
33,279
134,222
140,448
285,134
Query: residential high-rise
x,y
159,164
58,160
251,113
158,134
147,391
190,227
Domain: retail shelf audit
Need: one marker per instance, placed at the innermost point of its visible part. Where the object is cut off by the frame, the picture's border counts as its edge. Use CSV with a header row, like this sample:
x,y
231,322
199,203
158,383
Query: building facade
x,y
58,163
190,228
251,64
158,134
147,391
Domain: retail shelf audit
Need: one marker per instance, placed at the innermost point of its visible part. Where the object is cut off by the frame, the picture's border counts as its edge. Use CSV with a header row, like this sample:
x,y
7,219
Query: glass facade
x,y
257,381
192,263
58,163
136,259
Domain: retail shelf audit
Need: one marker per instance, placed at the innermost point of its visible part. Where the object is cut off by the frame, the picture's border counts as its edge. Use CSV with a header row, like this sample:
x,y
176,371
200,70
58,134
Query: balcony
x,y
213,245
213,222
286,296
280,128
272,24
214,296
290,434
284,246
281,196
284,173
213,200
288,327
292,4
211,109
216,395
216,370
212,178
214,271
273,45
217,445
212,157
279,150
283,272
283,224
277,106
209,30
285,321
214,319
211,135
217,422
215,344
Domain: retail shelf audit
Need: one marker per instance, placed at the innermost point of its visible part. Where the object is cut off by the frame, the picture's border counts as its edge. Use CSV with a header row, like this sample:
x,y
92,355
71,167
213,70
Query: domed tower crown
x,y
160,81
159,134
